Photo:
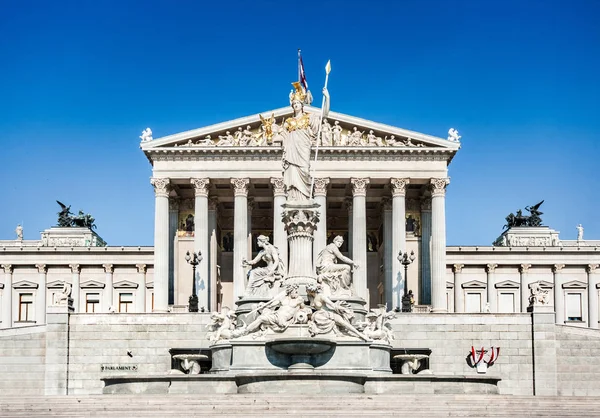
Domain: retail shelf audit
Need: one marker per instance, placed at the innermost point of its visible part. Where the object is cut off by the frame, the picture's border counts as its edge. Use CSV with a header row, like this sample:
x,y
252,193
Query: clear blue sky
x,y
79,80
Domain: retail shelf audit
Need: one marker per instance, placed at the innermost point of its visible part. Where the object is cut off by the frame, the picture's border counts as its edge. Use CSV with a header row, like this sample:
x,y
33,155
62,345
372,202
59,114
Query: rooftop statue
x,y
453,135
67,220
518,219
146,135
579,232
298,133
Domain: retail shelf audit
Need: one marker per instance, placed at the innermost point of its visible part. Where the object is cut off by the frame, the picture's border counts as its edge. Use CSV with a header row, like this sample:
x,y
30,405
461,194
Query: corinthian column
x,y
438,244
320,192
279,232
108,291
75,276
524,285
492,298
201,239
459,299
7,297
388,255
161,244
359,235
141,269
40,312
398,237
426,251
240,234
593,279
559,298
213,296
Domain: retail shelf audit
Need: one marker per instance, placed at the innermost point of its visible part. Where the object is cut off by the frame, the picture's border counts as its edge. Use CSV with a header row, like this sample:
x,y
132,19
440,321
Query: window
x,y
125,302
25,307
92,302
473,302
506,302
574,309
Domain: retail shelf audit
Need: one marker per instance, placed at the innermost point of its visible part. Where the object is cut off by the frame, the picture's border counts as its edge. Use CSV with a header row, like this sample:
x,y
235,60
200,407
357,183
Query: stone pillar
x,y
544,351
320,242
213,249
492,297
161,244
359,235
398,238
593,280
201,239
251,206
240,235
141,269
300,220
108,292
348,203
459,298
75,290
56,360
438,244
174,203
7,297
559,298
524,286
279,233
426,251
40,311
388,256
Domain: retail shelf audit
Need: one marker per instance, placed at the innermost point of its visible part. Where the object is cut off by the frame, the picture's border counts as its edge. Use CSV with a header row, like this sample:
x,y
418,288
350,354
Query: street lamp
x,y
406,260
194,259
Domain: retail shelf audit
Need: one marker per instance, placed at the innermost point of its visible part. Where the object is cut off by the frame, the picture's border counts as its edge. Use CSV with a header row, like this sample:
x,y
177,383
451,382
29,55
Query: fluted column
x,y
201,239
426,251
161,244
174,203
141,270
459,298
398,238
7,297
593,279
320,193
524,286
40,311
359,235
108,289
492,298
212,254
251,205
240,234
559,297
75,290
388,255
438,244
279,232
348,203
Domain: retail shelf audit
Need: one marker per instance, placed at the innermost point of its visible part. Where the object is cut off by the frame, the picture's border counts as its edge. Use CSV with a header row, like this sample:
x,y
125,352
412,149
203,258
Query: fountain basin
x,y
301,350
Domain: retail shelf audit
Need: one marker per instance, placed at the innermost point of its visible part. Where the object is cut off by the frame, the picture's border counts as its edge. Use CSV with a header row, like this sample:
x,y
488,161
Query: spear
x,y
312,183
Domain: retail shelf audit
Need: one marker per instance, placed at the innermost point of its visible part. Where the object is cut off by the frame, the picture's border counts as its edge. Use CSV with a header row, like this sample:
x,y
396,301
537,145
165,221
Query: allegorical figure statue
x,y
579,232
337,276
261,279
298,133
19,232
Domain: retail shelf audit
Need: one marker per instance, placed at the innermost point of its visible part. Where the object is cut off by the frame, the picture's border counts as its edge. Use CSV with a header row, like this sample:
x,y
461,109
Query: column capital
x,y
141,268
592,268
42,268
75,268
161,186
321,186
457,268
200,186
359,186
523,268
278,186
557,267
399,186
490,268
8,268
438,186
426,204
240,186
108,268
213,203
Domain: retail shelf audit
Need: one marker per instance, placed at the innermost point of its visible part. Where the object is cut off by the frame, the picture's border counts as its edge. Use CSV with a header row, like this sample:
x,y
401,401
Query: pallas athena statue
x,y
299,133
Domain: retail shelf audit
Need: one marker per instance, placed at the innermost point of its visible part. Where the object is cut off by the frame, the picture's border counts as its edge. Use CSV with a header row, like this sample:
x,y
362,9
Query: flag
x,y
301,73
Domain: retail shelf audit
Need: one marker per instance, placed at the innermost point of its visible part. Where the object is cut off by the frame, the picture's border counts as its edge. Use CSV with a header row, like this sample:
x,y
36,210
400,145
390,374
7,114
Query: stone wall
x,y
578,365
115,340
451,336
22,360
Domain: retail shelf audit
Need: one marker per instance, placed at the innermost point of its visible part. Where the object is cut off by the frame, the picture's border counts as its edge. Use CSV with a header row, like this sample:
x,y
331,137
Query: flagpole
x,y
312,182
299,52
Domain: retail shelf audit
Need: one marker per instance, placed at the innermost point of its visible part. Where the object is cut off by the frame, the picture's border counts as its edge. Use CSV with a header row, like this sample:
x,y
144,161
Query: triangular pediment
x,y
382,137
125,284
150,285
56,284
92,284
507,284
25,284
544,284
473,284
574,284
449,285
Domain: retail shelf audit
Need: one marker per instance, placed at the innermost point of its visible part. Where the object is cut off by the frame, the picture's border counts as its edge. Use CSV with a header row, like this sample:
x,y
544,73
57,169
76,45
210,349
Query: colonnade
x,y
435,228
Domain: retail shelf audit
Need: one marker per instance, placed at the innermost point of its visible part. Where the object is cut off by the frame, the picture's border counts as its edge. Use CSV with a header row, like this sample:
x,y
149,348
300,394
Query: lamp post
x,y
194,259
406,260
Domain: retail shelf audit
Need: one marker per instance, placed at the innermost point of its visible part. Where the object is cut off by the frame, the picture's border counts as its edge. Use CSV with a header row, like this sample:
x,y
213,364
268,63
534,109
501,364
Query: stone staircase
x,y
248,405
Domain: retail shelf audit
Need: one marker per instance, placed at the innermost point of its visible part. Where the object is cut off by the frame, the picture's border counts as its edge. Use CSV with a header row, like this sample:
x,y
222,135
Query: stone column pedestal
x,y
300,219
